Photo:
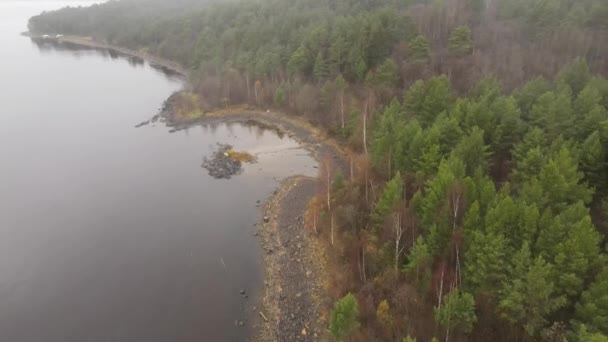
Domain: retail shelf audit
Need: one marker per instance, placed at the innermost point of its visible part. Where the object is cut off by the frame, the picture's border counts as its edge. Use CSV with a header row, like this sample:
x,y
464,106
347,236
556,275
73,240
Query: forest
x,y
476,204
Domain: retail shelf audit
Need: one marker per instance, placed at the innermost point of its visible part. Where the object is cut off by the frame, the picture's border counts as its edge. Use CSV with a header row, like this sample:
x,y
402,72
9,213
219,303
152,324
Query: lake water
x,y
115,233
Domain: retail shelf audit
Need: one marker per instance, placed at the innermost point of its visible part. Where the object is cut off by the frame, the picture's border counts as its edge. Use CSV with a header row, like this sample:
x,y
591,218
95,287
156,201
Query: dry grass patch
x,y
241,156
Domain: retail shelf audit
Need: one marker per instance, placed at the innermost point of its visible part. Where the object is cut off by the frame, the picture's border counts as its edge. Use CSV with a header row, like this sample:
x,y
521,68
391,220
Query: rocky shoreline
x,y
294,297
294,303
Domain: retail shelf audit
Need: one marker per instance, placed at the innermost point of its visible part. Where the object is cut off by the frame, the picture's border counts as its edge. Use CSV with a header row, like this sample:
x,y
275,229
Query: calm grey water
x,y
115,233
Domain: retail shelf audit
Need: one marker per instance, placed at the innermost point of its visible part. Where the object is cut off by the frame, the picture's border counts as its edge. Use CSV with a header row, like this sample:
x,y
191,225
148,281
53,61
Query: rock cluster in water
x,y
221,165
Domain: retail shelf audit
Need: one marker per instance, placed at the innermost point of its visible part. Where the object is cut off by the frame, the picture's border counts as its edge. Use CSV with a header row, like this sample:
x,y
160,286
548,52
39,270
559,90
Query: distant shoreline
x,y
93,44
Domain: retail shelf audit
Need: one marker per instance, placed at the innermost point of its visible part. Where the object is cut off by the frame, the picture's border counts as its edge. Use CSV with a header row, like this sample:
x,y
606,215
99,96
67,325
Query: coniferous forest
x,y
478,208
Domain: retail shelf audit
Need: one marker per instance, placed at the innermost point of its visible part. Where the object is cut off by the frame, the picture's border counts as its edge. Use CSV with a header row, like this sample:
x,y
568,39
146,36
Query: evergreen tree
x,y
437,99
299,62
461,42
321,69
510,127
414,98
528,298
344,318
583,335
472,151
456,312
592,309
387,136
419,261
571,243
593,162
528,94
575,75
420,51
484,261
388,200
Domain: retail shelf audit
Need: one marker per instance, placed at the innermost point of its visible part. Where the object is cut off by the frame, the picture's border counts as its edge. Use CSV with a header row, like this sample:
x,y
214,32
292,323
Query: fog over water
x,y
110,232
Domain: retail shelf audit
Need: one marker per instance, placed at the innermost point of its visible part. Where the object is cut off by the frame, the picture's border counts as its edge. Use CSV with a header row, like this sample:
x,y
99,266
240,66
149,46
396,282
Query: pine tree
x,y
558,184
472,151
388,200
528,94
461,42
593,162
575,75
528,298
571,243
420,50
437,99
299,62
510,127
414,98
344,317
386,137
448,132
419,261
583,335
321,69
592,309
484,261
456,312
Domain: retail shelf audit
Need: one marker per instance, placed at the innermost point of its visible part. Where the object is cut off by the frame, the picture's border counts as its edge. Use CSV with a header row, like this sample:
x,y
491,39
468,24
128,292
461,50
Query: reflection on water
x,y
47,46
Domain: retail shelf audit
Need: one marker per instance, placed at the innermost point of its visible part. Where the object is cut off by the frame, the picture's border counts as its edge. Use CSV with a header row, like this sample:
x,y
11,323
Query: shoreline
x,y
90,43
294,302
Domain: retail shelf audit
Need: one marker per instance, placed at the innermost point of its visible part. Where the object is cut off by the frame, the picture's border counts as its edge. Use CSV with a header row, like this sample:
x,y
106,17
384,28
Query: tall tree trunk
x,y
247,81
365,128
398,233
328,190
363,254
366,189
342,108
332,229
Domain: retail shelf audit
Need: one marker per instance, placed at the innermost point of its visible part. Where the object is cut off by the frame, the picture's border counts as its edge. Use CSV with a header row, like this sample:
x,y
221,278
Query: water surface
x,y
115,233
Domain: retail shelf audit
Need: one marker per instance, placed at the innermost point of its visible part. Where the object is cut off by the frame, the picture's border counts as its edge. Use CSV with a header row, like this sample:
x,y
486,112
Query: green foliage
x,y
593,305
344,318
528,297
420,51
461,42
472,151
280,96
321,69
576,75
484,261
419,261
583,335
390,197
387,135
529,93
426,100
457,312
